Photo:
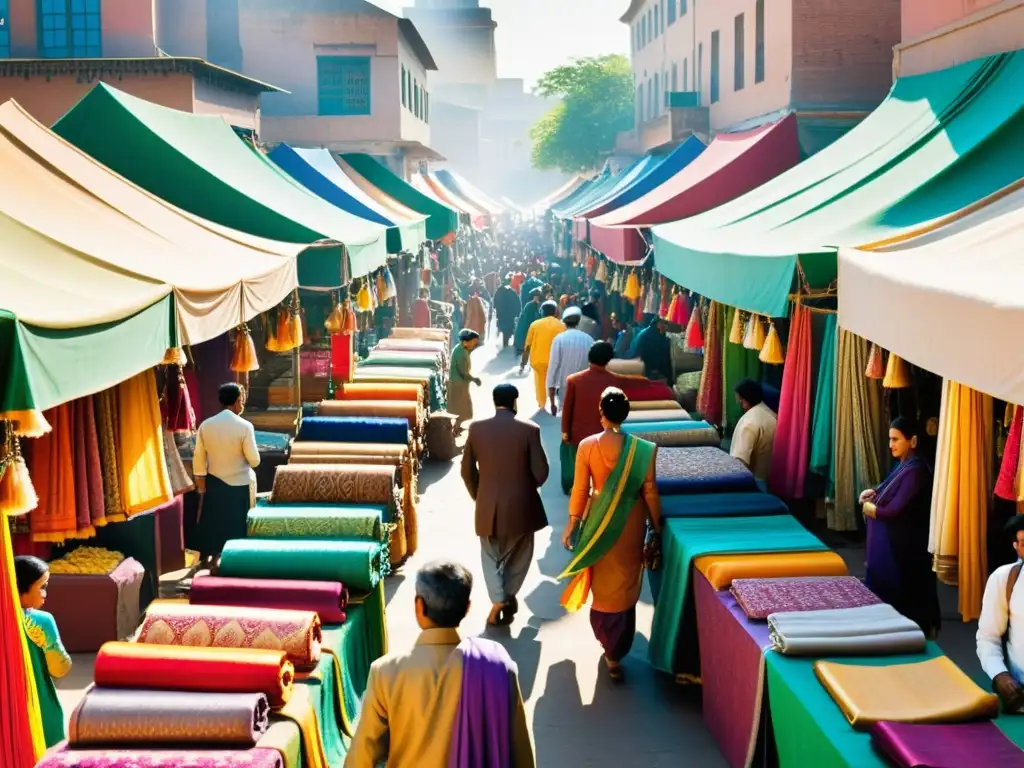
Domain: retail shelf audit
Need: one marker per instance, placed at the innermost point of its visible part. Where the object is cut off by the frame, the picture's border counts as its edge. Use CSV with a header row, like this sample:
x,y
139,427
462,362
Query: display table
x,y
93,609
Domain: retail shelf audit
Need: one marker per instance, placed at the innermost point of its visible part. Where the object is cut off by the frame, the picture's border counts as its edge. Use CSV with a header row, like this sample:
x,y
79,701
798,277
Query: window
x,y
69,29
405,89
675,77
643,31
416,95
5,31
657,20
759,41
657,94
343,85
686,74
426,107
698,73
682,8
651,34
739,60
714,67
650,99
639,105
671,12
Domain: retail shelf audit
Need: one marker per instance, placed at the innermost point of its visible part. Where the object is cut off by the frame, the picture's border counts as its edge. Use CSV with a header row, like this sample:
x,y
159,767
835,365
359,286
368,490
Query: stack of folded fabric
x,y
328,599
676,413
394,391
721,570
655,405
760,597
868,630
910,745
432,382
432,334
701,470
933,691
414,415
354,429
675,434
743,504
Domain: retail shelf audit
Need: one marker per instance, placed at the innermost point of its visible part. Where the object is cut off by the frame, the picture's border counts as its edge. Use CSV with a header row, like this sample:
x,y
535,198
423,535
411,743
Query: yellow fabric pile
x,y
87,561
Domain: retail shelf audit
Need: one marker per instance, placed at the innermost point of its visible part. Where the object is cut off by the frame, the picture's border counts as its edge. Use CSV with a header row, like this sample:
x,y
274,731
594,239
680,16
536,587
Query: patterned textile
x,y
710,398
180,480
760,597
162,758
353,429
336,522
328,599
111,716
390,409
331,483
701,470
185,668
106,412
357,564
297,633
88,468
946,746
706,436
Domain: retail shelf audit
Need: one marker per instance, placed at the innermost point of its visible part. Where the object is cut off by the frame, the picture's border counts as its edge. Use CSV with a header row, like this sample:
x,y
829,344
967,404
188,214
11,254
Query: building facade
x,y
703,67
53,51
941,33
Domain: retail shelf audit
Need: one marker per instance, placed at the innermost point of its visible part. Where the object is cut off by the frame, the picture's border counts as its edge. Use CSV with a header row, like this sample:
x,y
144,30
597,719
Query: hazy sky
x,y
534,36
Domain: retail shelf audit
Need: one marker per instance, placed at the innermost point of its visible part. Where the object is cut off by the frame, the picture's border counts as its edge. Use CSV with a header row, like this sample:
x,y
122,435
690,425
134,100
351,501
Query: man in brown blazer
x,y
414,709
503,466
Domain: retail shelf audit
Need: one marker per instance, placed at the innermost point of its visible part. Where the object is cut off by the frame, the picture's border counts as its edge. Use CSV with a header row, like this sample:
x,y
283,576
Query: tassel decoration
x,y
754,338
174,356
295,327
273,343
244,358
665,308
602,273
17,494
632,289
897,373
694,333
363,299
28,423
771,347
348,319
875,368
736,330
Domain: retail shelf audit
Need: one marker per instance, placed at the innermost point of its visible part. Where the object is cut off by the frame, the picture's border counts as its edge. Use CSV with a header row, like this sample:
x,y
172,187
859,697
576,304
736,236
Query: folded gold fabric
x,y
721,570
932,691
654,405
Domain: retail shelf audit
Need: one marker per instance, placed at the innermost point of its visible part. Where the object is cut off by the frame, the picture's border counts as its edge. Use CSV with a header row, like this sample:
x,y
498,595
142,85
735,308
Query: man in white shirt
x,y
755,431
569,354
1002,617
222,465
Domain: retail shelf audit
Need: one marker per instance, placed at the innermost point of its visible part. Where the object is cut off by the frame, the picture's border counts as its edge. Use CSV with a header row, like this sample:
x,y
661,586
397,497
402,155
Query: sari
x,y
606,517
49,660
482,737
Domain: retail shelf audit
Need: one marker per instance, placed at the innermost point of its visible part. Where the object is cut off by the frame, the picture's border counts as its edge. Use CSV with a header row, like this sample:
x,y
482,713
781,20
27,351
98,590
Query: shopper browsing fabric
x,y
460,376
569,354
898,512
49,659
503,467
754,436
653,347
223,464
1000,636
421,310
449,702
614,494
539,339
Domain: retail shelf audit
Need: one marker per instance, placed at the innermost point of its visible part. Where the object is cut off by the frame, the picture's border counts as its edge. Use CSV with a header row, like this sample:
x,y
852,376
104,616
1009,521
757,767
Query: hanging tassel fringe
x,y
244,358
736,330
174,356
771,350
30,423
897,373
694,333
754,338
17,494
875,368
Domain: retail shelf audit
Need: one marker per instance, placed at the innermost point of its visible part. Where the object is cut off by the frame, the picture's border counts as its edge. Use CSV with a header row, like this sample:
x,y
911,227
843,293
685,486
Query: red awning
x,y
733,164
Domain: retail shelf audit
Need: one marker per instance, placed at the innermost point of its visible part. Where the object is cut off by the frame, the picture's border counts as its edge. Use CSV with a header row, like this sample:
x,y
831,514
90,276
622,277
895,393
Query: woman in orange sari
x,y
614,495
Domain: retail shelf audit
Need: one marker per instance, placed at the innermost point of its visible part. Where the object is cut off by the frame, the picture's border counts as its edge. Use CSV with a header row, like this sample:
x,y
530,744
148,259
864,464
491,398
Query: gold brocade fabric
x,y
932,691
144,480
333,483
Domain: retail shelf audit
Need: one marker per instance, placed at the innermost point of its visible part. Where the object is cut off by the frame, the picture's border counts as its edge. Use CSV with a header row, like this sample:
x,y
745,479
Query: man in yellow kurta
x,y
416,712
539,339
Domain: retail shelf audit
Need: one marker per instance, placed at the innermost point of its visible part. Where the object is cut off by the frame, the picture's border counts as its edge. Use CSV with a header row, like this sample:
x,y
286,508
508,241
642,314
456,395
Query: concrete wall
x,y
181,27
993,27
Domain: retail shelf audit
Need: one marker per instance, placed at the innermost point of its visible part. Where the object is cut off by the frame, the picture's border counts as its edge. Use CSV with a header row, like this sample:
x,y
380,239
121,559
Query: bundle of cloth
x,y
429,334
432,361
912,745
434,387
701,469
413,345
866,630
758,598
675,433
722,570
410,410
741,504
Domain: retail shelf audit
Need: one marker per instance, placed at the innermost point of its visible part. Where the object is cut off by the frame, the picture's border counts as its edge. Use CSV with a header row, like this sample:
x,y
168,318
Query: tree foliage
x,y
596,104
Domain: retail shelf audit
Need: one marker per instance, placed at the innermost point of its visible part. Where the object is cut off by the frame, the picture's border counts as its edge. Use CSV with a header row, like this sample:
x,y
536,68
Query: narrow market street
x,y
578,716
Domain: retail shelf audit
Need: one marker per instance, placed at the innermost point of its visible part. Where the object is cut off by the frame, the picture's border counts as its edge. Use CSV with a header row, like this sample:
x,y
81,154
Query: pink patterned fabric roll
x,y
258,757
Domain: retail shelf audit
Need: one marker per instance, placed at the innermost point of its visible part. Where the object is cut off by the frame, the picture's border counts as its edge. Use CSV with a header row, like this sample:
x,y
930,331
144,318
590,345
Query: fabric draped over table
x,y
710,401
110,716
791,449
144,480
961,492
742,504
258,757
861,432
701,470
738,363
353,429
184,668
297,633
946,746
931,691
357,564
351,522
328,599
822,459
866,630
759,597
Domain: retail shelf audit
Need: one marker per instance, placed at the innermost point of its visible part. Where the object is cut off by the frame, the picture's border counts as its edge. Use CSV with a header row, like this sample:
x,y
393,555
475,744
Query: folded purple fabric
x,y
258,757
946,746
761,597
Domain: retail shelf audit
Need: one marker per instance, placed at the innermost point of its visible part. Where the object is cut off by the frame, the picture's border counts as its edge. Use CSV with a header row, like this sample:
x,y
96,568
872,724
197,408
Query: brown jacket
x,y
503,466
410,705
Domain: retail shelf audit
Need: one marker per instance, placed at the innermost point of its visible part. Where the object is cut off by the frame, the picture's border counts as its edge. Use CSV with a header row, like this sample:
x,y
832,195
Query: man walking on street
x,y
539,339
460,376
506,307
569,354
503,467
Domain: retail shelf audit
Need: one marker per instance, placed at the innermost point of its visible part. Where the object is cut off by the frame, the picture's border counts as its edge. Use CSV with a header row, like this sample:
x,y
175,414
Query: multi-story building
x,y
941,33
53,51
703,67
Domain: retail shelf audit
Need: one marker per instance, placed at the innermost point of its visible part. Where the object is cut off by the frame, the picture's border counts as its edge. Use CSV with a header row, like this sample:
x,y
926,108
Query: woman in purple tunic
x,y
899,567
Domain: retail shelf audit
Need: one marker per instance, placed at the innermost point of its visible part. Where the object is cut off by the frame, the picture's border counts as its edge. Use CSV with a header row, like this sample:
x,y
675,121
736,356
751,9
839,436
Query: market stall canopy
x,y
101,277
939,141
442,219
732,164
477,215
624,180
199,163
316,170
577,194
468,191
550,199
598,188
949,301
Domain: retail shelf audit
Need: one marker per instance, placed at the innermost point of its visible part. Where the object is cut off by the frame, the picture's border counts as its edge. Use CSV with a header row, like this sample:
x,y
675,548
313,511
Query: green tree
x,y
596,104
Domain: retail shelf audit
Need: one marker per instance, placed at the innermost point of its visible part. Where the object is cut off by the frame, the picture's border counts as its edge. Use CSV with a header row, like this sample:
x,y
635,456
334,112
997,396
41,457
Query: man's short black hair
x,y
601,353
444,587
1013,526
750,391
505,396
229,393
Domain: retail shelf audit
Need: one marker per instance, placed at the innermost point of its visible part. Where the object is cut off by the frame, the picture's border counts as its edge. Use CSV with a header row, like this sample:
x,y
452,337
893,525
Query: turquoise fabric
x,y
823,423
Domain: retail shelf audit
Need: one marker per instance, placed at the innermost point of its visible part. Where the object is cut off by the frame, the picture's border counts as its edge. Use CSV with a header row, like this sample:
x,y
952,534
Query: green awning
x,y
200,164
939,141
441,219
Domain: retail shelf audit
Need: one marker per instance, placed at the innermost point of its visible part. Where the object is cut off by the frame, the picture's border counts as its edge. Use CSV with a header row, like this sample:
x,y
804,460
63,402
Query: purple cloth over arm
x,y
482,737
946,746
